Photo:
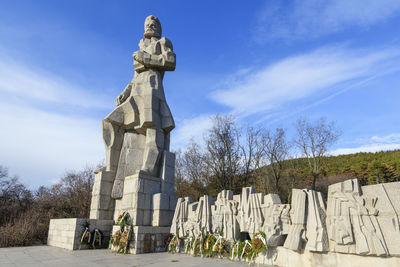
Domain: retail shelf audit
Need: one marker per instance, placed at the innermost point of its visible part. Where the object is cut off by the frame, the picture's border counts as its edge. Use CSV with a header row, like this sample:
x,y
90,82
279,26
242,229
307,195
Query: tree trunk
x,y
315,176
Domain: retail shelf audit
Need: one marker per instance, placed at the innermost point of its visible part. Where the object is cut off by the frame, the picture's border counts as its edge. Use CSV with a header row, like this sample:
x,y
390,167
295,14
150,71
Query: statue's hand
x,y
119,100
139,56
124,95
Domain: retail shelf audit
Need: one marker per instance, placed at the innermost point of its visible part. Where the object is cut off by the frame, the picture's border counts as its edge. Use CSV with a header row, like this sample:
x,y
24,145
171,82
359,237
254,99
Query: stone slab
x,y
44,256
64,233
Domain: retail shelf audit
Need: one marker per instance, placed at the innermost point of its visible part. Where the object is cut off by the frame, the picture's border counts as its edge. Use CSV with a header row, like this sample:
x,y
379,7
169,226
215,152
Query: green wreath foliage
x,y
173,245
90,239
84,237
198,245
236,249
124,241
208,245
96,238
168,240
258,244
115,238
121,237
124,220
221,247
189,245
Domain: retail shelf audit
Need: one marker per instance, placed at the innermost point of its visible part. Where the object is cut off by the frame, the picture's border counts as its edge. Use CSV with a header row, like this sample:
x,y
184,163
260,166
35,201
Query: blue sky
x,y
62,64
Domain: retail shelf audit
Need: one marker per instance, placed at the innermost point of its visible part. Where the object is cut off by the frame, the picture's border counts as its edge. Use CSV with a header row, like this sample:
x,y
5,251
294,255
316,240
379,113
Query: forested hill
x,y
369,168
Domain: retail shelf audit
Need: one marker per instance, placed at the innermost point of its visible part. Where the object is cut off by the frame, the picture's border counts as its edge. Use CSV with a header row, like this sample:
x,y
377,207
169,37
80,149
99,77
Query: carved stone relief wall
x,y
355,220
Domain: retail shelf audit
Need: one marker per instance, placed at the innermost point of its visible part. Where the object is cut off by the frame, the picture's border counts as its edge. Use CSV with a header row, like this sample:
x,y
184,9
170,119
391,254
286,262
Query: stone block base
x,y
280,256
145,239
64,233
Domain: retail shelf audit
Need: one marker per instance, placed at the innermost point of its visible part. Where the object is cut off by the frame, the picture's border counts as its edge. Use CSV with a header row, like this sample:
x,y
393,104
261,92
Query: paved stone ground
x,y
57,257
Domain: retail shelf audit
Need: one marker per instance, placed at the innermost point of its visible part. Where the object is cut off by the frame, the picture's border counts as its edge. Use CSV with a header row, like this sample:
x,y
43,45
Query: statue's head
x,y
152,27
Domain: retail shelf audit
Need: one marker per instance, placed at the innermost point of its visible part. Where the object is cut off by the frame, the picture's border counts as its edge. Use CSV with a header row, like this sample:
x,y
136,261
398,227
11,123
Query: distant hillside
x,y
369,168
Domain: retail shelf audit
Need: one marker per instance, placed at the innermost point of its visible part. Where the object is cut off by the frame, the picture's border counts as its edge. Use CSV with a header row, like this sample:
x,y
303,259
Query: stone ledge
x,y
281,256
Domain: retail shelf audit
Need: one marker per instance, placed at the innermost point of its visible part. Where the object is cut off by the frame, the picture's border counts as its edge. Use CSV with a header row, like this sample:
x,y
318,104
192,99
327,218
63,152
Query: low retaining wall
x,y
64,233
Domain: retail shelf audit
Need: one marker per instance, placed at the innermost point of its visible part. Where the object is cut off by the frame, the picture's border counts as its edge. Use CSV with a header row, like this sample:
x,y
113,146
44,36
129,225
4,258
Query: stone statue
x,y
137,131
139,173
138,176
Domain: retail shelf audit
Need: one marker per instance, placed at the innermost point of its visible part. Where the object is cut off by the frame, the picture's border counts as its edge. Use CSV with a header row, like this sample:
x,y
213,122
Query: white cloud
x,y
40,139
17,80
313,18
302,76
193,128
391,138
40,146
365,148
373,144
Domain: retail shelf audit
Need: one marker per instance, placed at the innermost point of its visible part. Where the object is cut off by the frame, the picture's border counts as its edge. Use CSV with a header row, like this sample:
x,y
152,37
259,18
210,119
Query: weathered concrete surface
x,y
360,220
40,256
281,256
64,233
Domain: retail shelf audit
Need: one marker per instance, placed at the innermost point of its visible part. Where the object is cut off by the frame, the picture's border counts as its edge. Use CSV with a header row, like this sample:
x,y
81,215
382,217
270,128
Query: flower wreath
x,y
198,245
188,245
85,235
208,245
124,219
258,244
173,246
97,237
115,238
122,236
168,240
124,241
246,250
220,246
236,249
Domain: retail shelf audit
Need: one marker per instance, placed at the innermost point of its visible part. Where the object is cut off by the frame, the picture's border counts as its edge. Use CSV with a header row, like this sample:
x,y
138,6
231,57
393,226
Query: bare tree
x,y
252,154
15,198
313,140
276,150
76,188
195,170
223,153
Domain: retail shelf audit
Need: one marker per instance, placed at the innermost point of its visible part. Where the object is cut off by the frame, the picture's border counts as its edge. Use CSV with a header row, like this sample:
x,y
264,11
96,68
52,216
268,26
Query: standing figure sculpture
x,y
142,120
139,172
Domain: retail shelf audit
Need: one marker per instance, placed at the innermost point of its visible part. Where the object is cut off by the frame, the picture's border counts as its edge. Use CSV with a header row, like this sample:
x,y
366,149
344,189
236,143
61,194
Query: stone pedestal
x,y
148,199
102,206
144,202
145,239
64,233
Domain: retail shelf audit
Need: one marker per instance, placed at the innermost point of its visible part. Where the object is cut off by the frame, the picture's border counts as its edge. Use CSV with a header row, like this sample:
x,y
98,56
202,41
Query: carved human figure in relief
x,y
137,132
